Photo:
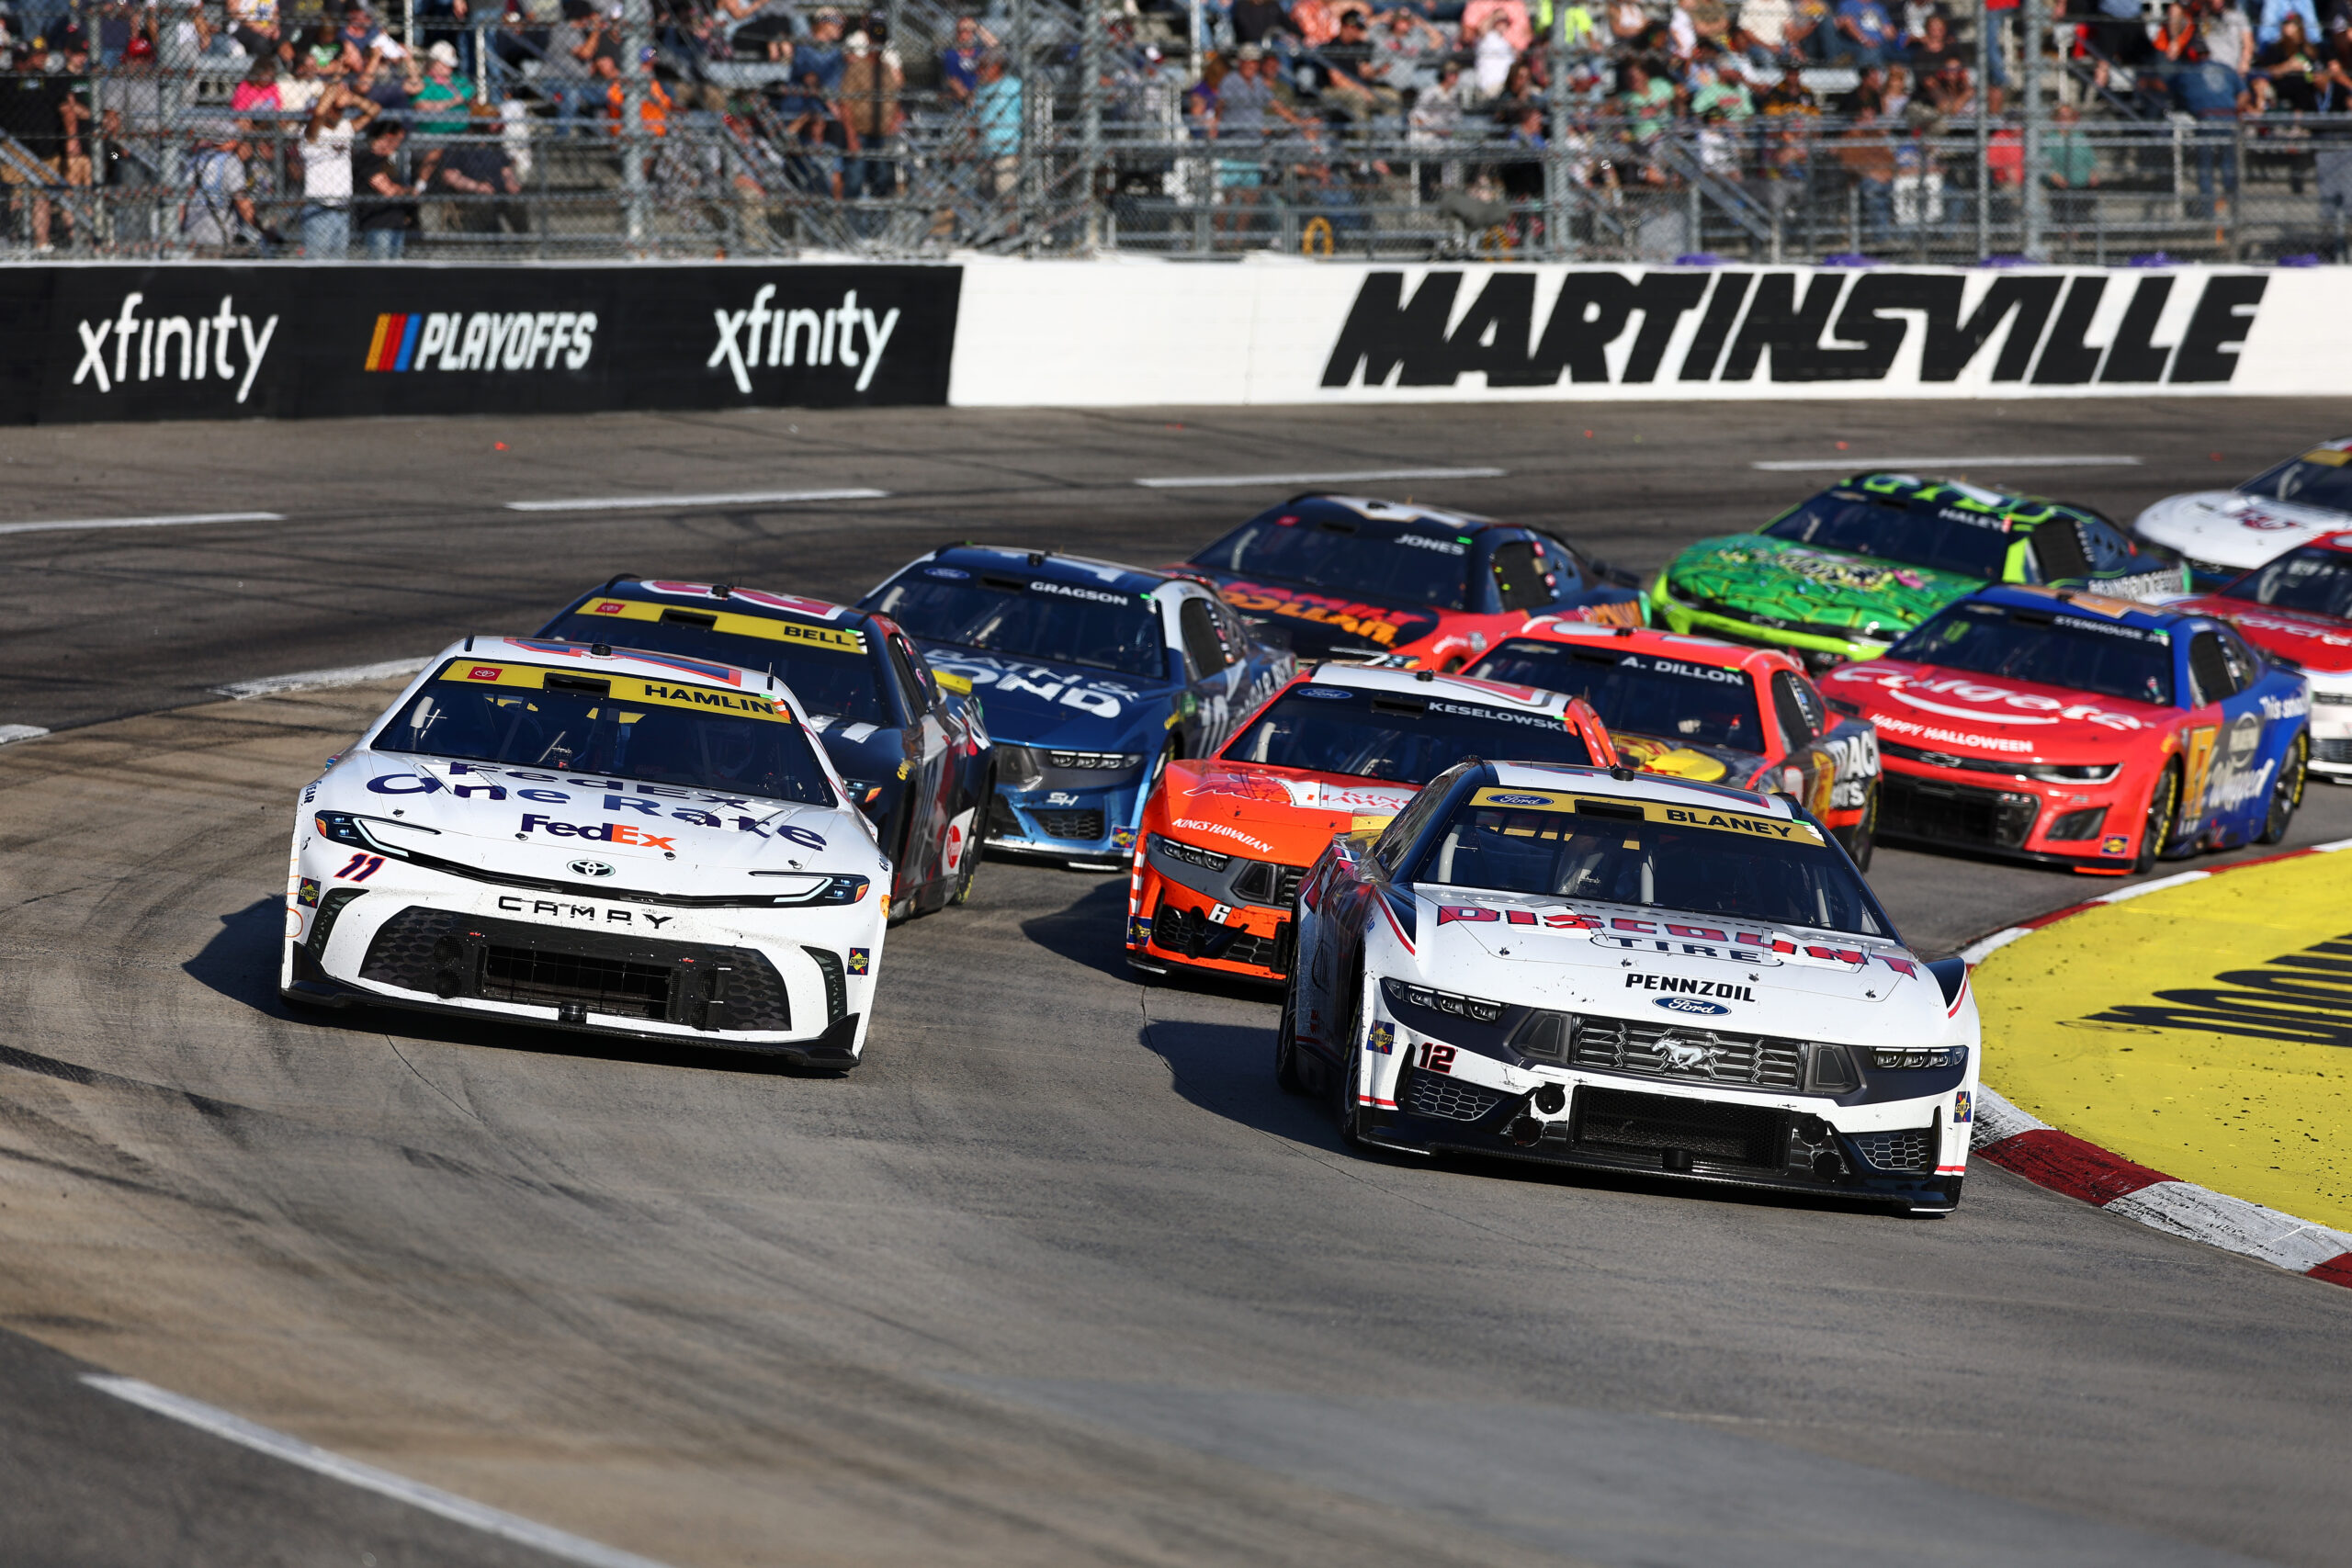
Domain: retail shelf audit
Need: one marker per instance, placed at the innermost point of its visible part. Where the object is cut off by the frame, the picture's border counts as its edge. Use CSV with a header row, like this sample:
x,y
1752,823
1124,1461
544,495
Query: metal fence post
x,y
1557,197
636,35
2036,200
1984,130
1025,168
2237,184
1090,54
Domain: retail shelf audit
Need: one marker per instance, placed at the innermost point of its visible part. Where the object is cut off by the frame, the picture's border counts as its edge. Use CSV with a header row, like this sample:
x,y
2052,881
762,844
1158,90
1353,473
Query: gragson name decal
x,y
485,340
850,336
1623,328
223,347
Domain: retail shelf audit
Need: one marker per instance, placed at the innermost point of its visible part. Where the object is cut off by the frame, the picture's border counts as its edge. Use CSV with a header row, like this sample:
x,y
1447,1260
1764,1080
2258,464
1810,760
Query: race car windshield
x,y
2322,478
1628,860
1885,528
589,733
1061,622
1404,739
2077,653
836,682
1356,558
2316,581
1637,692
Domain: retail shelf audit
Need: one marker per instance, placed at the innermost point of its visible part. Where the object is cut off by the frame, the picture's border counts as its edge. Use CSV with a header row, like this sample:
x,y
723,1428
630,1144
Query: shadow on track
x,y
1089,930
240,963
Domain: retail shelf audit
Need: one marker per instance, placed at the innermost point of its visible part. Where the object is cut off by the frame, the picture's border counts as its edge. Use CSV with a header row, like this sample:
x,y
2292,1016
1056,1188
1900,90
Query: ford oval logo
x,y
947,573
1692,1005
598,868
1520,799
1323,691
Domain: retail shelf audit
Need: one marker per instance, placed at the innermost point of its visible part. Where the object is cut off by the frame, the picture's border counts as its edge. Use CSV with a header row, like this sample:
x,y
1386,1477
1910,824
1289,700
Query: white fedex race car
x,y
1595,967
616,841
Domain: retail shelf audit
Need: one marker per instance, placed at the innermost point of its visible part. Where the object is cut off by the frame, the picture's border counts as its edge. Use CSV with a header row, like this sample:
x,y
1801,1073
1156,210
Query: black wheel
x,y
2287,794
1287,1073
970,870
1865,835
1348,1077
2155,832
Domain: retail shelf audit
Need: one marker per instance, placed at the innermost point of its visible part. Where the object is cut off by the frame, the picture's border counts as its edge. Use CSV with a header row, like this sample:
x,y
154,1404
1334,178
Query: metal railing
x,y
1090,152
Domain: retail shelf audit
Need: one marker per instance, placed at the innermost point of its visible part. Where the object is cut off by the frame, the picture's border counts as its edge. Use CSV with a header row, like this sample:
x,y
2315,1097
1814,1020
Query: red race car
x,y
1713,712
1225,838
2073,729
1415,588
2298,609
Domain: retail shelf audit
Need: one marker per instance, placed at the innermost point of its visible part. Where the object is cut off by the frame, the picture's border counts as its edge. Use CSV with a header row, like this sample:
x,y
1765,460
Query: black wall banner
x,y
290,342
1786,326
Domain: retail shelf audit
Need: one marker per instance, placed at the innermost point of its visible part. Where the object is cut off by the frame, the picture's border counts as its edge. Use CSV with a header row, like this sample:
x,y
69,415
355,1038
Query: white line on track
x,y
10,732
313,680
683,502
181,521
367,1477
1207,481
1857,464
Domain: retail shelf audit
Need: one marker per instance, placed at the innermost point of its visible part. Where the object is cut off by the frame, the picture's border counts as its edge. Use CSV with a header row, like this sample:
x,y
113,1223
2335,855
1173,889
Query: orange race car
x,y
1708,711
1227,838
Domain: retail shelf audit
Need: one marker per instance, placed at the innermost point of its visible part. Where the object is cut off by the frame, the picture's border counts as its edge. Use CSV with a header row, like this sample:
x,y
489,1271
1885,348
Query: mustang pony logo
x,y
1677,1054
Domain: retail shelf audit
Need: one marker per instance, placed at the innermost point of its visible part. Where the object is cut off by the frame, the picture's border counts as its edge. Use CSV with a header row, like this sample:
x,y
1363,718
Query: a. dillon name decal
x,y
1819,326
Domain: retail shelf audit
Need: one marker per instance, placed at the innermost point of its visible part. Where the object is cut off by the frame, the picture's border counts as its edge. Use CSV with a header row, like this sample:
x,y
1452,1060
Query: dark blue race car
x,y
910,743
1095,676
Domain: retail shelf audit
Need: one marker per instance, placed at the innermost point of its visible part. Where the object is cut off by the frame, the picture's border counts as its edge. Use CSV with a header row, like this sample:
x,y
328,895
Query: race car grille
x,y
1264,882
329,908
1951,813
1083,826
1189,933
1002,823
2331,750
1665,1050
1946,760
1913,1150
455,955
1447,1099
1618,1121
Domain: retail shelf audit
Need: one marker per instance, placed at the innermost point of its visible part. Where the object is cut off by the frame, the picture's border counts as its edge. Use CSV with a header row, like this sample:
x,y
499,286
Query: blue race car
x,y
1096,675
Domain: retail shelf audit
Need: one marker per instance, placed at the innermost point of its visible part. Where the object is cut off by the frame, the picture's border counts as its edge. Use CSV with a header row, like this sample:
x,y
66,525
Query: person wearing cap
x,y
445,21
821,55
441,98
253,24
868,106
218,213
959,63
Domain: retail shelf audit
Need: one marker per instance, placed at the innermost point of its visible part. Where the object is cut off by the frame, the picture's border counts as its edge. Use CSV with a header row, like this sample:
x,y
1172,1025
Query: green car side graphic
x,y
1842,575
1756,589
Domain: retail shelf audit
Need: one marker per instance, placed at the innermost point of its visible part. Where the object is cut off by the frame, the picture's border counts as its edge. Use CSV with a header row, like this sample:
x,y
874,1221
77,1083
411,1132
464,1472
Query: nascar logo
x,y
485,340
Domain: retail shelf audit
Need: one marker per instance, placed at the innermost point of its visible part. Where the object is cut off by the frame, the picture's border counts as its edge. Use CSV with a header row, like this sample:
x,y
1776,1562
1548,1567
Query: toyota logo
x,y
591,868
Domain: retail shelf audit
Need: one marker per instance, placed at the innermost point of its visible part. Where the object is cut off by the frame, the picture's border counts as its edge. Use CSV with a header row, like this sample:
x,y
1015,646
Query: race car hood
x,y
1655,966
1285,815
1040,703
2321,644
527,822
2230,529
1322,626
1987,716
1756,574
1680,760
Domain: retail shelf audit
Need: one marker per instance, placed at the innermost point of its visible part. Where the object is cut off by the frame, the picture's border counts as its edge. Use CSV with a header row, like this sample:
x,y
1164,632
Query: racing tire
x,y
1288,1076
971,869
2288,792
1347,1077
2156,831
1865,836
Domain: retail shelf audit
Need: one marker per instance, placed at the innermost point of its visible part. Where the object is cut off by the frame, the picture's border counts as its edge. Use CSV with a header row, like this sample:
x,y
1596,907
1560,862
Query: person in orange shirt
x,y
653,113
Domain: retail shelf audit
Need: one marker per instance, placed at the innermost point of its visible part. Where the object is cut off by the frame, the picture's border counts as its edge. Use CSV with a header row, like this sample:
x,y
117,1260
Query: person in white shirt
x,y
1494,56
326,147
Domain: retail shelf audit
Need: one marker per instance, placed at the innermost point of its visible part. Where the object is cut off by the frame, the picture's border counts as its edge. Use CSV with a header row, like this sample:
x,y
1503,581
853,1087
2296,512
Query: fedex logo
x,y
603,832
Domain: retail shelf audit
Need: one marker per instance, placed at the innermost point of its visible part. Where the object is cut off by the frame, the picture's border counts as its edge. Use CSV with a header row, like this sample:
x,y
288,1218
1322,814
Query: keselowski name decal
x,y
1725,988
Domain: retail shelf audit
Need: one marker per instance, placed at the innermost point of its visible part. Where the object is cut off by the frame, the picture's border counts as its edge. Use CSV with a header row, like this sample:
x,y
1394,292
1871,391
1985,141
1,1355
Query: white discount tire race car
x,y
1593,968
625,843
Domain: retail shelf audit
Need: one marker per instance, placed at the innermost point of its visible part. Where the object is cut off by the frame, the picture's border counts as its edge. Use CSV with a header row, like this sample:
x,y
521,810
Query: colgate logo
x,y
2026,707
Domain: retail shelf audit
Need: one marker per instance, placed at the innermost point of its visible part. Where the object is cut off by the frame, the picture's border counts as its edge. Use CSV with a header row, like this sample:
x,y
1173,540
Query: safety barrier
x,y
109,342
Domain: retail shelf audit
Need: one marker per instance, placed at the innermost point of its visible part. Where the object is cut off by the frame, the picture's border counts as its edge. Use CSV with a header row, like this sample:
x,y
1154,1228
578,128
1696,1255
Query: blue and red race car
x,y
2079,731
1412,587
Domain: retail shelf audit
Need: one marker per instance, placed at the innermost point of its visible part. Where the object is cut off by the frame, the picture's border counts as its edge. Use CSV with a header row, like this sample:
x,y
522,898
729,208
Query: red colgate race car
x,y
1713,712
1227,838
1343,577
2298,609
2101,734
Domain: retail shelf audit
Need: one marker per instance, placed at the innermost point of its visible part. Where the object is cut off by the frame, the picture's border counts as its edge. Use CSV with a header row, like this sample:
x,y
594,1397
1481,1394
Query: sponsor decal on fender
x,y
1725,988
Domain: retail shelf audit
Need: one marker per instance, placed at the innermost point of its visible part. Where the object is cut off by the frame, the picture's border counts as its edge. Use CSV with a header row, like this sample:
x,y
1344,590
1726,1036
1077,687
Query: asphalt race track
x,y
1056,1275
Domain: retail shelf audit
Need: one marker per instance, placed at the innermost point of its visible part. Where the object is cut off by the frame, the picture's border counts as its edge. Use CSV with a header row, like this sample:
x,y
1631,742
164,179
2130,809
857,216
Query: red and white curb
x,y
2064,1163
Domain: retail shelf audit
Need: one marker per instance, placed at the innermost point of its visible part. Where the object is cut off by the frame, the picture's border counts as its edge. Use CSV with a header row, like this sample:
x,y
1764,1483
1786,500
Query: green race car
x,y
1842,575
